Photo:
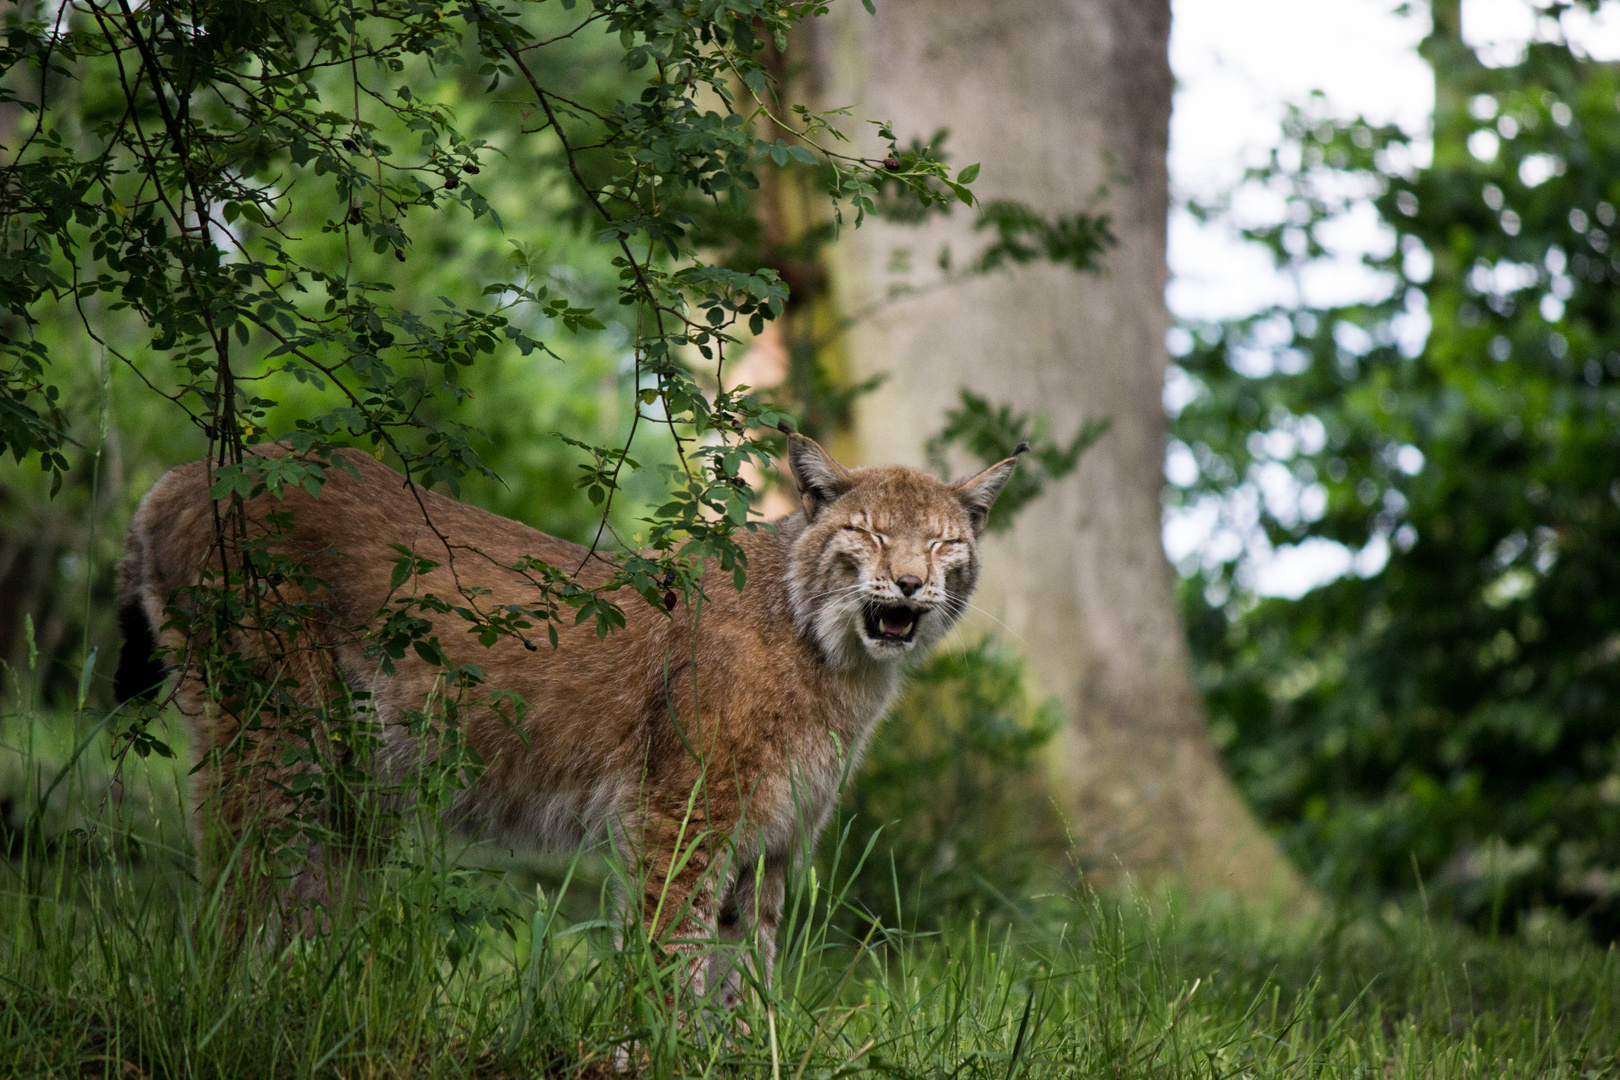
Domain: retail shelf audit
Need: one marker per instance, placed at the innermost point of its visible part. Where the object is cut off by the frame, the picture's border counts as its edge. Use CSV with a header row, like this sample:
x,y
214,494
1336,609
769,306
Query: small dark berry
x,y
354,215
669,600
891,163
398,254
470,170
348,144
451,181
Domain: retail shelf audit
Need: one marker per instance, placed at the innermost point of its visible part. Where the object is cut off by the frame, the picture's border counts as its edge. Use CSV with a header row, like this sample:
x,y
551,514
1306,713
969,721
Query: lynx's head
x,y
888,556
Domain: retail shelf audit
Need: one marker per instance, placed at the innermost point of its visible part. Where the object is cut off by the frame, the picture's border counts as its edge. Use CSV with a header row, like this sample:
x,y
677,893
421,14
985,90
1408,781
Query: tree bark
x,y
1059,100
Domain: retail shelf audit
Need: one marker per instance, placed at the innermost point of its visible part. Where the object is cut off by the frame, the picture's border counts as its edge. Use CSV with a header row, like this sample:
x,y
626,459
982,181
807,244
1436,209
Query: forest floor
x,y
113,965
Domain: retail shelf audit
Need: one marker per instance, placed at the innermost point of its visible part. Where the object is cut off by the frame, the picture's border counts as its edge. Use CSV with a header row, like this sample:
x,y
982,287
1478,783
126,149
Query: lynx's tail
x,y
139,671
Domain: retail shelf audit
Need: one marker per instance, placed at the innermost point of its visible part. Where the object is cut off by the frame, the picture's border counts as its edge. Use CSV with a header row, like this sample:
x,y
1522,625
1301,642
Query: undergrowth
x,y
113,964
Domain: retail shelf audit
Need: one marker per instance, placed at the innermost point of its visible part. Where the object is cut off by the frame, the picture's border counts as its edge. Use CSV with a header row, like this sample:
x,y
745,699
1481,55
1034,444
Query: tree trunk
x,y
1058,99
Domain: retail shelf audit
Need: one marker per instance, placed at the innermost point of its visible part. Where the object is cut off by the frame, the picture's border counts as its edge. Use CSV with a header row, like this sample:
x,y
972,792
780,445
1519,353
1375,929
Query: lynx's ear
x,y
977,494
819,478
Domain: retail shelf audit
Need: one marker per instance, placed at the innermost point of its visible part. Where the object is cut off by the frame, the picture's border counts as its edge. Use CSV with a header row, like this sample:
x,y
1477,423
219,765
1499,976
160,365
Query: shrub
x,y
950,803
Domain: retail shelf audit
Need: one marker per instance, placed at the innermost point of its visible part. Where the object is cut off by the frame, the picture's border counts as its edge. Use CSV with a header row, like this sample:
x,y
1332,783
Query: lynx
x,y
761,700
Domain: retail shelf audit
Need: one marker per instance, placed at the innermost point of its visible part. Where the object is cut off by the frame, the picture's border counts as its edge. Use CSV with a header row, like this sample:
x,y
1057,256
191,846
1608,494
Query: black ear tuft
x,y
819,478
1021,448
784,427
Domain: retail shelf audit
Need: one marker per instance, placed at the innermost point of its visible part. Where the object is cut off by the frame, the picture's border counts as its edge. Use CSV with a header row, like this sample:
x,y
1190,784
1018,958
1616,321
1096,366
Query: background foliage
x,y
1445,720
950,802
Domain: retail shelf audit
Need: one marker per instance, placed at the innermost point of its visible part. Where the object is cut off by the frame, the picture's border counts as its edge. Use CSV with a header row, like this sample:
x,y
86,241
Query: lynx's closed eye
x,y
935,545
868,533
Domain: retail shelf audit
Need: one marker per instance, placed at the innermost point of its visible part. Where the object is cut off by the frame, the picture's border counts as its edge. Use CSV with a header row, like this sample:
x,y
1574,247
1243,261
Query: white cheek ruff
x,y
822,599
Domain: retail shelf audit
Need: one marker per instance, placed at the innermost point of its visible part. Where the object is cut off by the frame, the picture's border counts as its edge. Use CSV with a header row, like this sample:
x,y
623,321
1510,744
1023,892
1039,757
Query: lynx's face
x,y
889,557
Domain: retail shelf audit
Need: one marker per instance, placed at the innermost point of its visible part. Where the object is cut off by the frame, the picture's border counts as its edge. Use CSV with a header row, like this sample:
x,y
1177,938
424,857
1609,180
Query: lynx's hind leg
x,y
256,676
280,826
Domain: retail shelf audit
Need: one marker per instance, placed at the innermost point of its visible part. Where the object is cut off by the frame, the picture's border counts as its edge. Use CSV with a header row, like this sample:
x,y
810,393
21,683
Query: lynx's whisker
x,y
969,604
839,589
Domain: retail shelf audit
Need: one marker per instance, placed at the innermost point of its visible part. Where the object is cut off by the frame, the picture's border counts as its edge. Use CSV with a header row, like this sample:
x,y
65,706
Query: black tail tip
x,y
139,672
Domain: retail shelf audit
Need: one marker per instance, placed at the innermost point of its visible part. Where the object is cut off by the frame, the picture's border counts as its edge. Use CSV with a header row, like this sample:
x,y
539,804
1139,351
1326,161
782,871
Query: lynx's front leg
x,y
677,868
752,911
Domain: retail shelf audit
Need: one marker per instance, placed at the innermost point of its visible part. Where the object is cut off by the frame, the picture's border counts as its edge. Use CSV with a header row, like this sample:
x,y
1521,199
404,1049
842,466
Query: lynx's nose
x,y
909,584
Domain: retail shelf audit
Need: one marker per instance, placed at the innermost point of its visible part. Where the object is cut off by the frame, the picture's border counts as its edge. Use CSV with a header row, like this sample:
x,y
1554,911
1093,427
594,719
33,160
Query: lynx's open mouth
x,y
891,624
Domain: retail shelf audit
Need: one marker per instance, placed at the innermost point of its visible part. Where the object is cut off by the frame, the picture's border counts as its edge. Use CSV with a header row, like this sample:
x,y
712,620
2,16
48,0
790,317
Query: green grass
x,y
110,966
